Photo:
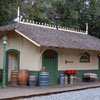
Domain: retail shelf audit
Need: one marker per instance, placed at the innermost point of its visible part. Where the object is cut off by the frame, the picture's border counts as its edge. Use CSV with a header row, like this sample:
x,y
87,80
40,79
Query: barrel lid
x,y
14,71
44,73
32,76
61,75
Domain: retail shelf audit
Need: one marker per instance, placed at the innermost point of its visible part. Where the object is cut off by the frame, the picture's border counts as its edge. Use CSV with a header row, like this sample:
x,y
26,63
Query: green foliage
x,y
72,13
8,10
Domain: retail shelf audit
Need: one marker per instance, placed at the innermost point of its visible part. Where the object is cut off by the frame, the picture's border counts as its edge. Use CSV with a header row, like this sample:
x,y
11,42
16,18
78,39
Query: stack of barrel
x,y
14,77
20,77
44,78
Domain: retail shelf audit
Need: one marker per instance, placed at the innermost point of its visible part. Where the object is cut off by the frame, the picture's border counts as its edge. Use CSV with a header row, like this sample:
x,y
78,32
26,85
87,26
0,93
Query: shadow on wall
x,y
0,75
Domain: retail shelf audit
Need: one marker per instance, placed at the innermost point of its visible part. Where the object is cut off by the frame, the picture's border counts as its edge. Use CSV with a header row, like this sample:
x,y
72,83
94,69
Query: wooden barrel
x,y
44,79
23,77
14,77
32,80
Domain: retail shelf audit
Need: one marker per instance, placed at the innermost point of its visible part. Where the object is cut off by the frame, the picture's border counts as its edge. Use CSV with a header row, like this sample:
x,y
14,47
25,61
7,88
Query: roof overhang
x,y
37,44
22,36
27,38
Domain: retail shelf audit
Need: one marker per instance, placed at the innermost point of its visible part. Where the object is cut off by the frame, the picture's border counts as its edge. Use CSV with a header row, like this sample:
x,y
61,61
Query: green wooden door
x,y
50,62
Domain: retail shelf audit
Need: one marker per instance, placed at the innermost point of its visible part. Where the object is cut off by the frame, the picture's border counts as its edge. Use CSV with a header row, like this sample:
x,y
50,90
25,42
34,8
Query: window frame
x,y
49,56
88,55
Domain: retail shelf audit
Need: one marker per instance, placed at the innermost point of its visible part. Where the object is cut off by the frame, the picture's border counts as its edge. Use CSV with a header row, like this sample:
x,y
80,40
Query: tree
x,y
72,13
69,11
8,10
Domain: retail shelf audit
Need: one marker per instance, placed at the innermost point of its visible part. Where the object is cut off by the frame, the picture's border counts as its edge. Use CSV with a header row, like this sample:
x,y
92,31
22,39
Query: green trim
x,y
85,53
34,73
58,73
7,52
79,74
4,70
99,63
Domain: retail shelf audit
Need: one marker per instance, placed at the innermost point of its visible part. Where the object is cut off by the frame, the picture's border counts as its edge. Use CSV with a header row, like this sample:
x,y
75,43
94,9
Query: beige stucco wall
x,y
74,55
31,55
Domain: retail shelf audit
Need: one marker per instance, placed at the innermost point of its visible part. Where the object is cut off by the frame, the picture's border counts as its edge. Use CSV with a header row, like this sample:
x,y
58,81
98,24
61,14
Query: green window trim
x,y
85,55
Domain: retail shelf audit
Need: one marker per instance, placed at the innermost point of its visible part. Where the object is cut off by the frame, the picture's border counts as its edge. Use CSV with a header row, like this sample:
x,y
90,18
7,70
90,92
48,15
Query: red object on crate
x,y
69,72
75,71
72,71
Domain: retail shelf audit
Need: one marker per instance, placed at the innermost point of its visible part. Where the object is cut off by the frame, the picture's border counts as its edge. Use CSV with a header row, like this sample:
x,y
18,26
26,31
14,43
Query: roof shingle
x,y
55,38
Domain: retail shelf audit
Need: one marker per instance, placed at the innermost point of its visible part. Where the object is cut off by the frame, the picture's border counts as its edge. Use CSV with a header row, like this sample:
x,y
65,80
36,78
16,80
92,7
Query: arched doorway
x,y
12,62
50,61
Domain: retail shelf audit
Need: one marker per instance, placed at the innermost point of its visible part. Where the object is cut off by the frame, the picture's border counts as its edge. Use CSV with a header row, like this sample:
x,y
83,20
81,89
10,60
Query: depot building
x,y
33,46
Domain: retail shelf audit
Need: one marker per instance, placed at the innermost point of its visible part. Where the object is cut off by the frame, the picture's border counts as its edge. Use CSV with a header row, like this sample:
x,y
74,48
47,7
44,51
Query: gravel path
x,y
89,94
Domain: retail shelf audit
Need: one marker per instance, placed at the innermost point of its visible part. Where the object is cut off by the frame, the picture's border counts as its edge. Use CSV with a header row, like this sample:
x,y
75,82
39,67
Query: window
x,y
49,56
85,57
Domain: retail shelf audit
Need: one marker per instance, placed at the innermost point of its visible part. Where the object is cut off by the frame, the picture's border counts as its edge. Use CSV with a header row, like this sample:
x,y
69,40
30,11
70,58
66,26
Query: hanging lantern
x,y
98,55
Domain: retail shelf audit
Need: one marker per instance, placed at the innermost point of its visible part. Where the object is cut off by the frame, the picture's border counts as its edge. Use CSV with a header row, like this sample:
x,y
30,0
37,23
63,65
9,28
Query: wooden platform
x,y
13,93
